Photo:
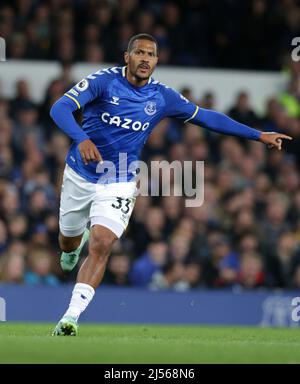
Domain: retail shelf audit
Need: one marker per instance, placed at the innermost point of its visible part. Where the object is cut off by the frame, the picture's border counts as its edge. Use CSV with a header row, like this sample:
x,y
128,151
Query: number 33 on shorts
x,y
125,206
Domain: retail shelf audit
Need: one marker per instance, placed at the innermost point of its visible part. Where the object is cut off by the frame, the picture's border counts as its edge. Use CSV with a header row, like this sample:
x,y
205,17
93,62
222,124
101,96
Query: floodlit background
x,y
232,56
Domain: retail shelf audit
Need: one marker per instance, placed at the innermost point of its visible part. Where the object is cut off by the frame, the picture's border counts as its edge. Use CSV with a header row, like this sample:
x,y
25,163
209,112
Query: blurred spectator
x,y
151,229
244,222
27,124
193,275
251,273
170,277
22,98
94,54
40,268
10,201
12,268
118,270
275,223
39,237
179,248
208,100
280,261
150,262
18,227
172,206
221,268
38,207
242,110
18,46
249,242
291,98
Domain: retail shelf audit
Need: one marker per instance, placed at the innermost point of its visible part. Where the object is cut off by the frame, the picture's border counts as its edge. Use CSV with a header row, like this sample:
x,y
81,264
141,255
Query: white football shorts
x,y
81,201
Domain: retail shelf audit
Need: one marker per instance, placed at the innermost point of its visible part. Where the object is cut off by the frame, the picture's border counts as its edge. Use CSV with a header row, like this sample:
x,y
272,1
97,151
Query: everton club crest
x,y
150,108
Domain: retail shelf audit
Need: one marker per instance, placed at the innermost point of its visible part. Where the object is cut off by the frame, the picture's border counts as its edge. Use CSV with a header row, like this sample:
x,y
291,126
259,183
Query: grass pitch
x,y
33,343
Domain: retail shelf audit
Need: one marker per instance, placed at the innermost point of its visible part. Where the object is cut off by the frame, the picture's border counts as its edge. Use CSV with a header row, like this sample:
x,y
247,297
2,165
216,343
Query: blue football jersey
x,y
118,117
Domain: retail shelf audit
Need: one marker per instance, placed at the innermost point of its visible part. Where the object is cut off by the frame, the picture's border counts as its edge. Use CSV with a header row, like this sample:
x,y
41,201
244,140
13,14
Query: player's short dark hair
x,y
141,36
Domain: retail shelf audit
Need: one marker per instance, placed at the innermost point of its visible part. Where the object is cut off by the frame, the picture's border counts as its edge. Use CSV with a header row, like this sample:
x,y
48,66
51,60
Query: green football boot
x,y
69,260
67,326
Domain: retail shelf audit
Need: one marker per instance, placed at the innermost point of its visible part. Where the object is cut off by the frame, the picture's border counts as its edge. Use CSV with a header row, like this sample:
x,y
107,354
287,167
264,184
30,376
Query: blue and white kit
x,y
118,117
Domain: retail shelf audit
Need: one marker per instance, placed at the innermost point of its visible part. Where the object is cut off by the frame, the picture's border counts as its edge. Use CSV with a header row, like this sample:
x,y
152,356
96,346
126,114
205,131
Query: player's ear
x,y
126,57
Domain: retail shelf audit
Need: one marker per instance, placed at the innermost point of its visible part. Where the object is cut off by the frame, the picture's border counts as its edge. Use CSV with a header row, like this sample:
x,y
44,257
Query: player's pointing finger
x,y
282,136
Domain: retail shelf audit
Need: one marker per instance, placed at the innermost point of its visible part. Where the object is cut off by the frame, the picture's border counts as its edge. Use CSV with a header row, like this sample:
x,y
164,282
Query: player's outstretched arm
x,y
221,123
179,107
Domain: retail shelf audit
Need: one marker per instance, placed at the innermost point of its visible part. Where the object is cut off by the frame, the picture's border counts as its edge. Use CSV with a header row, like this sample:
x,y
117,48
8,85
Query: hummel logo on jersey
x,y
115,100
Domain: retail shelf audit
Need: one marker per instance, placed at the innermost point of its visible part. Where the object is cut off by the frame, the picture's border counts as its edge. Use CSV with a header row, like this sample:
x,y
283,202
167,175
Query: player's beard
x,y
141,77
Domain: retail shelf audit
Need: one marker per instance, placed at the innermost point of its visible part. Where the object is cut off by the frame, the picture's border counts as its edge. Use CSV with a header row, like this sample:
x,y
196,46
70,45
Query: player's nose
x,y
145,58
144,62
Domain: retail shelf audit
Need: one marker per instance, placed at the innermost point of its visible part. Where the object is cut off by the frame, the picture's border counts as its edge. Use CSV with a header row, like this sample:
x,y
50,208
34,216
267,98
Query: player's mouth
x,y
144,68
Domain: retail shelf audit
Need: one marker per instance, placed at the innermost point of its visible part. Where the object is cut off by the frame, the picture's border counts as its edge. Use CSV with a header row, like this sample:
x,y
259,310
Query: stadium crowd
x,y
246,234
253,34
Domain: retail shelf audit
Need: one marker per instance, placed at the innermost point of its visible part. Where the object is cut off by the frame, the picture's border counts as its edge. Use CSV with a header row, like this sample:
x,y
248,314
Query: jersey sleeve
x,y
178,106
220,123
86,90
82,93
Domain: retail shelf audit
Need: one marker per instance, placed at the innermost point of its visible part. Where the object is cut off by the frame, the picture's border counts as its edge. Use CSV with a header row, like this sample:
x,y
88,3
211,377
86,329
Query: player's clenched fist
x,y
89,152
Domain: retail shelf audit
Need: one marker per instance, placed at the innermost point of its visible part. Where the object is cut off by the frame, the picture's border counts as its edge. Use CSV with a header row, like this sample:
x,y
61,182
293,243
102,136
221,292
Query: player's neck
x,y
137,82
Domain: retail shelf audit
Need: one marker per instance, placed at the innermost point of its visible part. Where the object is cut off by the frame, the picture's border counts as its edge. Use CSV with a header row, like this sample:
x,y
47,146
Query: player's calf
x,y
89,277
69,244
93,268
69,258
